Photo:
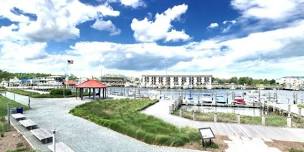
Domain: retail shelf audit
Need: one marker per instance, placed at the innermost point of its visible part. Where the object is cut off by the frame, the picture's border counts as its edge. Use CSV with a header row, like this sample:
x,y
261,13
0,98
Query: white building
x,y
176,81
292,82
48,82
14,82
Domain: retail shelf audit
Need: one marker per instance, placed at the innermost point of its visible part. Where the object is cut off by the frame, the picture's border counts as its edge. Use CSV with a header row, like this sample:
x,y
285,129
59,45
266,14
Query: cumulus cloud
x,y
270,9
133,3
268,46
161,28
56,19
106,26
213,25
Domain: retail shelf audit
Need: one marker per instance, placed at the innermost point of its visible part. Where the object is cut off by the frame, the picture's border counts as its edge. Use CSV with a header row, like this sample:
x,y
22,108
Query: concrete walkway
x,y
161,110
81,135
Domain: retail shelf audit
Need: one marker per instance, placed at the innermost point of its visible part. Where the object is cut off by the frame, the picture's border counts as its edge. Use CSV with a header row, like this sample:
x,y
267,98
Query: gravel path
x,y
80,134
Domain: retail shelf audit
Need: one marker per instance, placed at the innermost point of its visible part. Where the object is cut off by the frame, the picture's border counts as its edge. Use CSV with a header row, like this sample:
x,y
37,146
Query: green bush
x,y
60,92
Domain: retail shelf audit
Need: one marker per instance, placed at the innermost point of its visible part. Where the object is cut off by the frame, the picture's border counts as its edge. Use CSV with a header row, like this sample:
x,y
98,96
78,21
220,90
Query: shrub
x,y
61,92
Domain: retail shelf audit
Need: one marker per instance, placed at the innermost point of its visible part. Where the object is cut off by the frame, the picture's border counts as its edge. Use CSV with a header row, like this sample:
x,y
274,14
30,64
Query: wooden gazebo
x,y
92,86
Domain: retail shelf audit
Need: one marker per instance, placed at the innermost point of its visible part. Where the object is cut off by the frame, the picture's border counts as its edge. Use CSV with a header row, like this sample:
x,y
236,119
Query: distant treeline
x,y
4,75
244,80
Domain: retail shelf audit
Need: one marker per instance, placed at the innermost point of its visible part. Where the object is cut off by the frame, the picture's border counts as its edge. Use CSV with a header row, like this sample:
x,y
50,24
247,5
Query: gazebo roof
x,y
91,84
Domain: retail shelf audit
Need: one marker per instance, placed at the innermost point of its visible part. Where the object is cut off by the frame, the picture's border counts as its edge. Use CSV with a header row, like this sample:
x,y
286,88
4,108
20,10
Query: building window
x,y
154,80
167,80
175,80
183,80
199,80
160,80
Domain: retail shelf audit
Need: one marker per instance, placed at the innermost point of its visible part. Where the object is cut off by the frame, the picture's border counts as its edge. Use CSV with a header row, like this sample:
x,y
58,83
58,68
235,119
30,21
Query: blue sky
x,y
225,38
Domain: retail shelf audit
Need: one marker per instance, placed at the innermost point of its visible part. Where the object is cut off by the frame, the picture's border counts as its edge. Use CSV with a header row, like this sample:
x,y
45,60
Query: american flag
x,y
70,61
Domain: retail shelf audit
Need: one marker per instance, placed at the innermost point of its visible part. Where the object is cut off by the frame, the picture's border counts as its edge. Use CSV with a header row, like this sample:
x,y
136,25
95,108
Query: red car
x,y
239,100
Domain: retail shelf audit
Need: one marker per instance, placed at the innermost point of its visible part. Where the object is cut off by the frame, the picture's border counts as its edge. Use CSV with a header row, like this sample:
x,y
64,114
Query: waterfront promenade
x,y
161,110
79,134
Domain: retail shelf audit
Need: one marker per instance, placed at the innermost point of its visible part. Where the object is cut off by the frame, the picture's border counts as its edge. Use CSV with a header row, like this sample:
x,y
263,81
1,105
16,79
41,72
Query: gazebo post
x,y
103,93
93,93
99,91
89,92
76,93
81,93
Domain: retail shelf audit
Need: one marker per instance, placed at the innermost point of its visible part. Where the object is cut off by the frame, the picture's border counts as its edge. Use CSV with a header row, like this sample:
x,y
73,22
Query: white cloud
x,y
161,28
213,25
229,22
218,55
106,26
56,19
133,3
269,9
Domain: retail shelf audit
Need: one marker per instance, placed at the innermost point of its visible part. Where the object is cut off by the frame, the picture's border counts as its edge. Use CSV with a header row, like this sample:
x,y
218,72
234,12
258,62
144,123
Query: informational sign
x,y
206,133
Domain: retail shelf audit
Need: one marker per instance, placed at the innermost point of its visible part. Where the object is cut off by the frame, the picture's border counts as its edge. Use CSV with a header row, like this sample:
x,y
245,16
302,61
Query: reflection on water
x,y
236,110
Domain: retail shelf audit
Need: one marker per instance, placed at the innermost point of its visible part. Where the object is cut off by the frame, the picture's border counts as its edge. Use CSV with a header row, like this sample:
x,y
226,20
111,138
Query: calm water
x,y
283,96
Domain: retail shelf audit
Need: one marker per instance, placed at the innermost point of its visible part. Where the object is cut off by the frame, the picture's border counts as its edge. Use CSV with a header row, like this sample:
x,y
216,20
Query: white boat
x,y
207,98
220,99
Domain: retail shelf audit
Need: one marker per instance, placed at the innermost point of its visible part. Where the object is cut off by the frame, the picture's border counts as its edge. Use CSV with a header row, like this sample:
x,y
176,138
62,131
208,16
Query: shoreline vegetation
x,y
271,119
124,117
57,93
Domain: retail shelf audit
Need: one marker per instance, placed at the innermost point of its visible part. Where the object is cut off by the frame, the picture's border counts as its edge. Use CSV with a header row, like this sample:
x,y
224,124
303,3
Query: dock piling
x,y
238,116
289,121
215,117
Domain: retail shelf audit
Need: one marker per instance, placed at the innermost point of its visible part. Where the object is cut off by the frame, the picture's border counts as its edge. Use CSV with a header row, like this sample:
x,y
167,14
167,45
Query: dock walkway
x,y
161,110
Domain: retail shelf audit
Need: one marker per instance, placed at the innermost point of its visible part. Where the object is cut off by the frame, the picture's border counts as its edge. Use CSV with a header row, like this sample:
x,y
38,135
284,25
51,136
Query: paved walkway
x,y
81,135
161,110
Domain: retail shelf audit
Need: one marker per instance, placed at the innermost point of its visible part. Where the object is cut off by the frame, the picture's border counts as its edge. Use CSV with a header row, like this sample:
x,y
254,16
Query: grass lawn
x,y
3,112
271,119
3,105
37,95
123,116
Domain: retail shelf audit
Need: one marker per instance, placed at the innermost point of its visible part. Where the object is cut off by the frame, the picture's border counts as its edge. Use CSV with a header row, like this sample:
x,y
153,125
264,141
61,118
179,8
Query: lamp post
x,y
54,140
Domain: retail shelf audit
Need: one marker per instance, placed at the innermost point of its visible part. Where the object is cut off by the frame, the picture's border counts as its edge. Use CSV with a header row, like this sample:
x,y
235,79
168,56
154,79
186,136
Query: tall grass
x,y
123,116
271,120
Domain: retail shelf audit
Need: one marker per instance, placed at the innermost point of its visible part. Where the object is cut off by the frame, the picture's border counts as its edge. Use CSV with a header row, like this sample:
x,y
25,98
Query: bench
x,y
28,124
42,135
18,116
61,147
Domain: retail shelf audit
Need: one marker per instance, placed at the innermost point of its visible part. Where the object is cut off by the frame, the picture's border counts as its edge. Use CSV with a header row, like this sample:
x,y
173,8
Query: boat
x,y
189,101
239,100
220,99
207,98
